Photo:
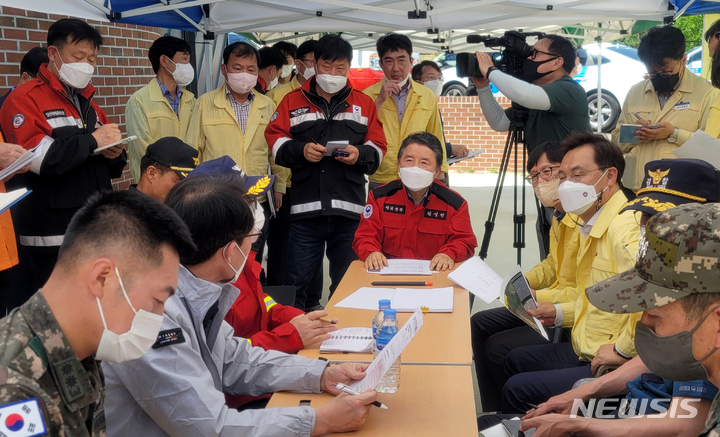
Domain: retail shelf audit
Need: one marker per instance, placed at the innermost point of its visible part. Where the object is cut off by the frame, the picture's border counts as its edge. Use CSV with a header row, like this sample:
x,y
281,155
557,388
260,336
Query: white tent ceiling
x,y
87,9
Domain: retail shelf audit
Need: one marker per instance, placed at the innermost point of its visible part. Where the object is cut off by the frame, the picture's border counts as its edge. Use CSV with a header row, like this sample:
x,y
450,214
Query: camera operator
x,y
557,105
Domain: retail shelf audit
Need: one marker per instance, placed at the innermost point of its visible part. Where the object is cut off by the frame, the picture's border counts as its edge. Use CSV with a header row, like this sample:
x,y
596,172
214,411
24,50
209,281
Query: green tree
x,y
691,26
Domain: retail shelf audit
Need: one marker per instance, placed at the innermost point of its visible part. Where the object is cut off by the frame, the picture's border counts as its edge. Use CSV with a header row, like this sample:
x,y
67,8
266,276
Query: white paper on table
x,y
381,364
366,298
26,158
404,300
405,267
701,146
478,278
437,300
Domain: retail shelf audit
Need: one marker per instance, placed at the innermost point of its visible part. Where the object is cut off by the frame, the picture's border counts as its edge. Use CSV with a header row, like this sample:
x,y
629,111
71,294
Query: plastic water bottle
x,y
391,381
383,304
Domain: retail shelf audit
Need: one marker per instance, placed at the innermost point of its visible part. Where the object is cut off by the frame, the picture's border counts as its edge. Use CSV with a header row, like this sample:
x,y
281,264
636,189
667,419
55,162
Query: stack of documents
x,y
404,300
24,159
405,267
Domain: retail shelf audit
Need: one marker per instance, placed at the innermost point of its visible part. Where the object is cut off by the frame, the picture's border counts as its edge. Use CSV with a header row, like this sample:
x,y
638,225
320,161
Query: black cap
x,y
672,182
174,153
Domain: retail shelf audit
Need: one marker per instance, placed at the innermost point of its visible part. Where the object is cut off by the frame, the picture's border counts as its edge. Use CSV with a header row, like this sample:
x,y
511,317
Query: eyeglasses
x,y
308,62
254,237
546,173
574,176
662,75
534,53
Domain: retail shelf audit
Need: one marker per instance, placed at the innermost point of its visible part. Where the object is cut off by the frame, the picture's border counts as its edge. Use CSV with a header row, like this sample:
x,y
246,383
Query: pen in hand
x,y
326,320
345,389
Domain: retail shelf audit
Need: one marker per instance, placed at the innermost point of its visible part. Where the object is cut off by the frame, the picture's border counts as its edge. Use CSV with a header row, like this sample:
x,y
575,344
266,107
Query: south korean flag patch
x,y
22,419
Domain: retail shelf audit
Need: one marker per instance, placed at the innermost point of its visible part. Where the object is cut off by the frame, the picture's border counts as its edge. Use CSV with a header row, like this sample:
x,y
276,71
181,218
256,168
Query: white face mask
x,y
241,83
117,348
286,71
75,74
415,178
273,83
309,71
242,266
259,216
436,85
402,84
183,74
576,197
331,84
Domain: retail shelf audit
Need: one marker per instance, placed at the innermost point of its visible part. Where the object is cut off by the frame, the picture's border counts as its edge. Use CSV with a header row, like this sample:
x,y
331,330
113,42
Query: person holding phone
x,y
671,103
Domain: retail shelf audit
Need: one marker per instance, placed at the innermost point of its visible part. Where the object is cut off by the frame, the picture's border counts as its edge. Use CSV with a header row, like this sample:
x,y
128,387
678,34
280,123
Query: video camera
x,y
515,51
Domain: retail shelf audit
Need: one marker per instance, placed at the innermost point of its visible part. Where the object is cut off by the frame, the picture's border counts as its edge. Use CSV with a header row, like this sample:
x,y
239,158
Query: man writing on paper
x,y
57,113
417,216
495,332
176,388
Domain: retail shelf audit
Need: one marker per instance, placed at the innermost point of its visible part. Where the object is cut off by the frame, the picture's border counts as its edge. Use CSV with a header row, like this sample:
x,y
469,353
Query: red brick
x,y
34,14
37,35
15,34
45,25
13,11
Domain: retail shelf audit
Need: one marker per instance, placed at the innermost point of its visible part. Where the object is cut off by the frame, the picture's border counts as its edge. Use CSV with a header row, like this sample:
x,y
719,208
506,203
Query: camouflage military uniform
x,y
36,361
712,426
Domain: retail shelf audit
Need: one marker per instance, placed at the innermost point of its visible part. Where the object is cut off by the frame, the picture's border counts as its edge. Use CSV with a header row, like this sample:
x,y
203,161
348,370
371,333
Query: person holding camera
x,y
557,105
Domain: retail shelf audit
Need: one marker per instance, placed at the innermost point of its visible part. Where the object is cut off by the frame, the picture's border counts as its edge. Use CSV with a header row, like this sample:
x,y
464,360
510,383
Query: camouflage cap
x,y
678,256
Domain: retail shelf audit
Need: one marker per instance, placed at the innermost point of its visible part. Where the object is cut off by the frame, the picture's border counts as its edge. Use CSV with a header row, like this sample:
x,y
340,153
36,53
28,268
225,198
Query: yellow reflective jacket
x,y
553,279
278,93
687,109
214,131
609,249
149,116
421,114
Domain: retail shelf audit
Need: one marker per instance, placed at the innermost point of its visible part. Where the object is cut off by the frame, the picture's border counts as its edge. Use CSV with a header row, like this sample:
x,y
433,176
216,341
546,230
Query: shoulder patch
x,y
367,212
448,196
18,120
169,337
387,189
23,418
274,116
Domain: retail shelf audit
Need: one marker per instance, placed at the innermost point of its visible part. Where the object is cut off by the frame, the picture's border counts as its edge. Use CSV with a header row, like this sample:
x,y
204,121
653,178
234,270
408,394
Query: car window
x,y
697,56
592,60
625,51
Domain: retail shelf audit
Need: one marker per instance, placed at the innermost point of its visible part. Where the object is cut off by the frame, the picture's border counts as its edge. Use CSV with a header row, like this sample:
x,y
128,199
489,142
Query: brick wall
x,y
122,67
465,124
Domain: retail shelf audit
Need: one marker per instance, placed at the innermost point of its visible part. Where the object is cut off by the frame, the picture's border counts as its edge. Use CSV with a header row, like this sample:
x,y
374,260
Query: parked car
x,y
695,60
620,70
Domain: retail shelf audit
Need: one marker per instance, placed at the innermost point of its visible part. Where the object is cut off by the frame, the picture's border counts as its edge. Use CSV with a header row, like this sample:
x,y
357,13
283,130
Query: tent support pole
x,y
599,105
683,9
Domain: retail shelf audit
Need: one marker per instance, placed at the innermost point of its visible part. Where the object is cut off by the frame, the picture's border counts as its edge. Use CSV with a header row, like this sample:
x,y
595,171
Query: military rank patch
x,y
395,209
169,337
435,214
22,419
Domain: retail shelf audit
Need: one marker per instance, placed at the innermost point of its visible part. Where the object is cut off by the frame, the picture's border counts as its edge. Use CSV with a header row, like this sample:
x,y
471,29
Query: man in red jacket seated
x,y
255,316
417,216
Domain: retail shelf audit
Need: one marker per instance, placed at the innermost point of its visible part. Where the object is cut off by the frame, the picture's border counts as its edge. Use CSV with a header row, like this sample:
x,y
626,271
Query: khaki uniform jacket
x,y
214,131
149,116
37,361
421,114
609,249
687,109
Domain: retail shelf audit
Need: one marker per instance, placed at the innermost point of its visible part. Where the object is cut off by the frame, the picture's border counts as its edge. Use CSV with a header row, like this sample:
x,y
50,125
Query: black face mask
x,y
530,69
665,84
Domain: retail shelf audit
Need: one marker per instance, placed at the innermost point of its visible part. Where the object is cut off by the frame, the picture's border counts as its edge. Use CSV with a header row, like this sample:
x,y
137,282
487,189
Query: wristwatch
x,y
673,136
489,70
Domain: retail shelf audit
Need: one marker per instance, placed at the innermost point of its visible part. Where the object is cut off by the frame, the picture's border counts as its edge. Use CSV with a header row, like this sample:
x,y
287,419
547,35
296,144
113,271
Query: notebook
x,y
345,340
11,198
628,132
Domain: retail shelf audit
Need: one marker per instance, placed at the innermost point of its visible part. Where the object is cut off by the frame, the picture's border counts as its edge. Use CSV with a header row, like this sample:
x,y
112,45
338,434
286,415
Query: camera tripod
x,y
515,137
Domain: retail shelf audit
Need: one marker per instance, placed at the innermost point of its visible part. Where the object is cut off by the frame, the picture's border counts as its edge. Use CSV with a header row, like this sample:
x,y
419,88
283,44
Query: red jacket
x,y
40,112
264,323
393,224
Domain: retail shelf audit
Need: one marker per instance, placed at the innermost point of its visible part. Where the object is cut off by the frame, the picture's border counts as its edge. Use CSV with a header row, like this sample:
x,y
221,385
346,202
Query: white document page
x,y
366,298
700,146
332,146
26,158
405,267
478,278
470,155
438,300
381,364
348,340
